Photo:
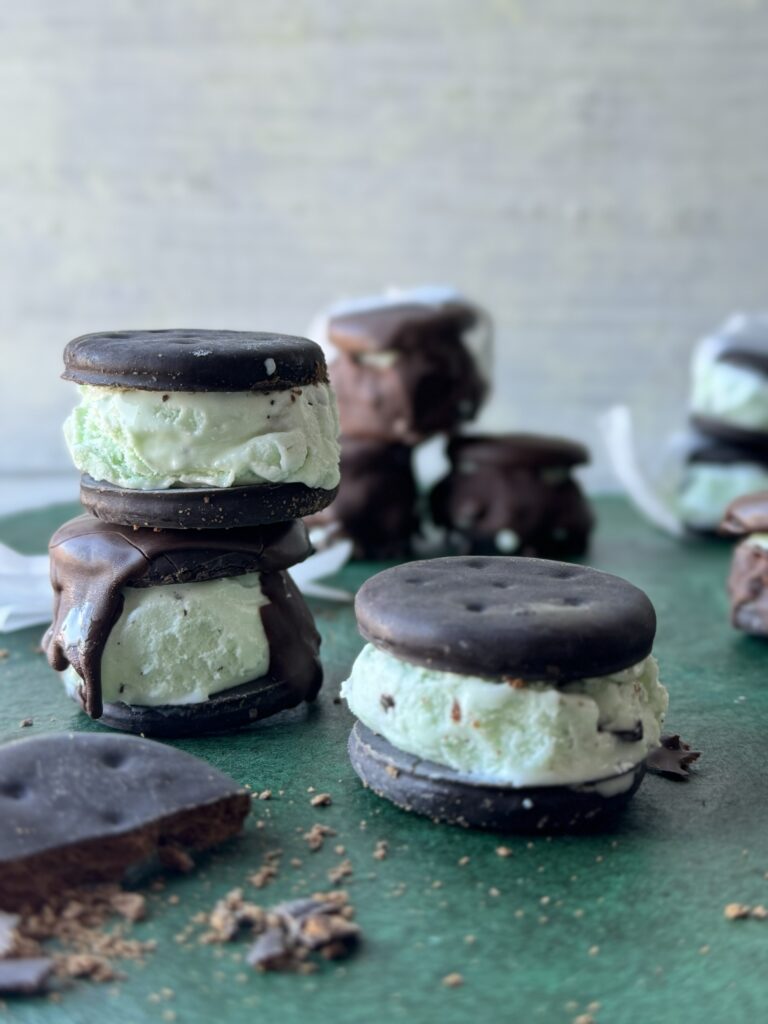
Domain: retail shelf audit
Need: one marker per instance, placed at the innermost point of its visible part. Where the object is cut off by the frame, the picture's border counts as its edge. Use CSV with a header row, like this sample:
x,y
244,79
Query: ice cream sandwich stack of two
x,y
200,452
406,368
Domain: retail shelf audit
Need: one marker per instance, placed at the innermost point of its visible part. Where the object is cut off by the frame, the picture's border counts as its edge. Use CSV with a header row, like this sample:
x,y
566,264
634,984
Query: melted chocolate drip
x,y
91,562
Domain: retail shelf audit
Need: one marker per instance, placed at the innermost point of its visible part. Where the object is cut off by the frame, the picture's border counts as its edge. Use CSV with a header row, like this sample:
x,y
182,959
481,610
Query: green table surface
x,y
632,920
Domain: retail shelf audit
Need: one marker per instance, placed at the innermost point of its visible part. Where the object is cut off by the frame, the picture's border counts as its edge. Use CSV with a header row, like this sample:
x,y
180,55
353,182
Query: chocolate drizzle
x,y
91,562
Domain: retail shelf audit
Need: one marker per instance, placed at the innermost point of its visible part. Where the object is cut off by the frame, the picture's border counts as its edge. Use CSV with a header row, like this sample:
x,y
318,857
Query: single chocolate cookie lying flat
x,y
172,633
196,429
81,808
505,693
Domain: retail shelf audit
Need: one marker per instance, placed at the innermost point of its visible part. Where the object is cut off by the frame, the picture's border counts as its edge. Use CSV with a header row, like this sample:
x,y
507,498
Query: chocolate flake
x,y
672,758
387,702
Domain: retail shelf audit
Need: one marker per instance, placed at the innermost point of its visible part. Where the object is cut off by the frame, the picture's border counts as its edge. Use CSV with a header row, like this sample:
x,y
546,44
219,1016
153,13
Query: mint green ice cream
x,y
734,394
707,489
156,440
529,735
181,643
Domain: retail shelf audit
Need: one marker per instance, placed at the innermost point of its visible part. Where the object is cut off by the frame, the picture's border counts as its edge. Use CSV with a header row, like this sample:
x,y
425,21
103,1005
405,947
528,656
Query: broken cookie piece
x,y
83,808
673,758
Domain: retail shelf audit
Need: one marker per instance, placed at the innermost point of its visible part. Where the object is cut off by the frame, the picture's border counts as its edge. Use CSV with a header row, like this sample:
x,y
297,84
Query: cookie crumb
x,y
453,980
265,794
321,800
381,850
26,722
342,870
317,835
736,911
503,851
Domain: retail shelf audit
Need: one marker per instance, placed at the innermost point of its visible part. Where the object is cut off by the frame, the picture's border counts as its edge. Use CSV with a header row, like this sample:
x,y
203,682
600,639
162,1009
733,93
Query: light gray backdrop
x,y
595,171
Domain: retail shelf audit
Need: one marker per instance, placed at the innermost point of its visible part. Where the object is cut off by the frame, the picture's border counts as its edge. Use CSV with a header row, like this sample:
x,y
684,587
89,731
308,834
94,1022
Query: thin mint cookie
x,y
170,633
79,808
505,693
192,429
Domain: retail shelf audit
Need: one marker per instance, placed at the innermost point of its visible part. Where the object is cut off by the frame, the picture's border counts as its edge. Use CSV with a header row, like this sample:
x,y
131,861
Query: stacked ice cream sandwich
x,y
200,451
729,409
407,368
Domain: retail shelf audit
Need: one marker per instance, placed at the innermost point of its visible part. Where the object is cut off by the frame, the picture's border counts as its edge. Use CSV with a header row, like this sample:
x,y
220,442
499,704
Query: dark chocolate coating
x,y
747,514
747,348
433,386
731,434
506,483
25,976
92,561
192,360
376,503
84,807
748,589
445,795
507,618
202,508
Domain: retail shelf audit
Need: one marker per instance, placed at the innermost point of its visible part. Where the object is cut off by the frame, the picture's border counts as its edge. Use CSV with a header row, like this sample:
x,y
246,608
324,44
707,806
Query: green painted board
x,y
632,920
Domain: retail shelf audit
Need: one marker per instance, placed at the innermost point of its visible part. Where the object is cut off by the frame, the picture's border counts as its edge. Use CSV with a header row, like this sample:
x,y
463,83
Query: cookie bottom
x,y
201,508
732,433
227,711
445,795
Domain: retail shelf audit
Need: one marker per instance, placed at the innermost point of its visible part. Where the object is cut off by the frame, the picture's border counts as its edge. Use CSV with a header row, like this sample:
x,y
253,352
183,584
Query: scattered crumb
x,y
265,794
738,911
584,1018
317,835
339,850
594,950
704,950
296,862
470,939
288,933
392,771
453,980
321,800
493,891
4,653
381,849
342,870
503,851
25,723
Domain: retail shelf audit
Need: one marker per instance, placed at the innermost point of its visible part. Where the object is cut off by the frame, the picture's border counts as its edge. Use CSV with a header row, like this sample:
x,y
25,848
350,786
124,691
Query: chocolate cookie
x,y
445,795
79,808
514,494
507,618
162,608
505,693
199,429
405,371
376,503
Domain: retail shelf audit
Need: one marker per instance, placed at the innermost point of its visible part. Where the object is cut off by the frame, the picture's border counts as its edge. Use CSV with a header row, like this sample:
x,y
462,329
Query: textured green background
x,y
650,896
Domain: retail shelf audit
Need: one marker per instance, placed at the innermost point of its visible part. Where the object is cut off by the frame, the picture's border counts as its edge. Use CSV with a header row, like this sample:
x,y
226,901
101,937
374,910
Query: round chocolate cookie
x,y
199,508
730,433
171,633
514,494
445,795
194,360
376,503
200,429
507,617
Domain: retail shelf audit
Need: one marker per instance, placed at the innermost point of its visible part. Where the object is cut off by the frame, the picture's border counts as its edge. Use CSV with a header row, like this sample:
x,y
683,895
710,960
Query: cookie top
x,y
534,451
747,514
402,327
189,360
507,618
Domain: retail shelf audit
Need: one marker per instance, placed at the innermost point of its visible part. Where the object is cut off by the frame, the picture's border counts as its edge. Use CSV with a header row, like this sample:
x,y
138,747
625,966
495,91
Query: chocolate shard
x,y
26,976
82,808
270,949
8,925
672,758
